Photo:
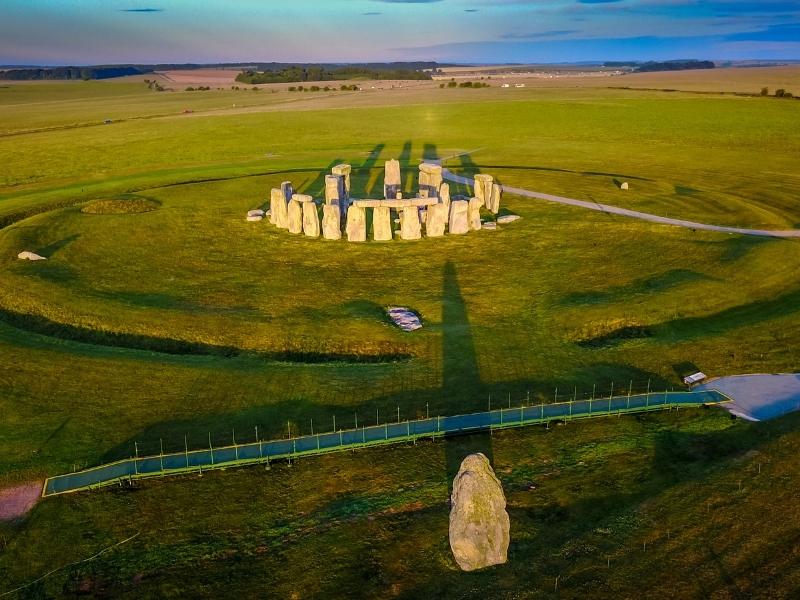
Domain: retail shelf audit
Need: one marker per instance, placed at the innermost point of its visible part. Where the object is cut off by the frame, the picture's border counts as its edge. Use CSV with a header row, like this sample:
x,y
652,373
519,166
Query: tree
x,y
780,93
765,91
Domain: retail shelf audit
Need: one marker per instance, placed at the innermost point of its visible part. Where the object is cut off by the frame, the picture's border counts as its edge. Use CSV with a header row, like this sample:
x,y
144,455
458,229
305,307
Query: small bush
x,y
441,85
190,89
765,91
314,88
452,84
780,93
292,88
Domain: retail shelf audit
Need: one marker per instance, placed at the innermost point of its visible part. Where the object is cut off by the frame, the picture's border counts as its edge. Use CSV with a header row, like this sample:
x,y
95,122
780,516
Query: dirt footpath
x,y
16,501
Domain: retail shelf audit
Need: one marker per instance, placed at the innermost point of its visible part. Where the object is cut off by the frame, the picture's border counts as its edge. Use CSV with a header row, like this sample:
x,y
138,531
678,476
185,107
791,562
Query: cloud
x,y
538,34
470,10
371,14
141,10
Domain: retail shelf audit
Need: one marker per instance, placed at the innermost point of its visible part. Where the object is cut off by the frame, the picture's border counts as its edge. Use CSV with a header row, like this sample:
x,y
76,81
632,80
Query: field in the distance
x,y
563,298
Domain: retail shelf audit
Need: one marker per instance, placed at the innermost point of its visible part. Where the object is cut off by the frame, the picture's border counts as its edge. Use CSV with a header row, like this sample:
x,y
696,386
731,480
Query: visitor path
x,y
758,397
792,233
387,433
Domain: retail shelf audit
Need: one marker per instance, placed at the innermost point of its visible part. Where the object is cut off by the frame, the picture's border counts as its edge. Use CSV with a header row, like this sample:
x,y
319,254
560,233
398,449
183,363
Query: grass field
x,y
185,320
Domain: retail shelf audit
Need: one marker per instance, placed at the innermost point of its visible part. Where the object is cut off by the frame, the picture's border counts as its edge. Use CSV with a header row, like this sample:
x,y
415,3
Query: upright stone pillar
x,y
278,208
382,224
344,171
295,217
430,179
335,192
356,224
288,190
474,213
458,217
483,187
437,217
444,195
331,222
493,201
392,184
310,219
409,223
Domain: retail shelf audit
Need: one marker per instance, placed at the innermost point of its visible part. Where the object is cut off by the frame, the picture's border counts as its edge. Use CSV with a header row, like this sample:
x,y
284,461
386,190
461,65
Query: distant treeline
x,y
295,73
674,65
394,70
71,73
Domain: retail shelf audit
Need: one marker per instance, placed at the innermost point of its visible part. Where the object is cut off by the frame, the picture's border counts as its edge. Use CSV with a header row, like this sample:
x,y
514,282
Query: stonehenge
x,y
432,212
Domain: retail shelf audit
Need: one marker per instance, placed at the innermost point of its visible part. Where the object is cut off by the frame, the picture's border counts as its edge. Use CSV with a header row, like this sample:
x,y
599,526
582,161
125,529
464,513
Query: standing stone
x,y
344,171
277,208
334,190
474,213
444,195
479,523
382,224
430,179
295,217
493,200
356,224
392,183
331,222
624,185
288,190
458,217
409,223
437,217
310,219
483,187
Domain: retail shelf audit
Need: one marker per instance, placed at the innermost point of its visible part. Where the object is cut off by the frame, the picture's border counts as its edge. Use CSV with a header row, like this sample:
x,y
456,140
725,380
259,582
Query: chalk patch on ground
x,y
16,501
404,318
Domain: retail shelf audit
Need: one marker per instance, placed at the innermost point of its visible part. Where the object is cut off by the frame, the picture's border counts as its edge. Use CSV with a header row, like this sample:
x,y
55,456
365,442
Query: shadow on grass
x,y
689,328
51,249
653,284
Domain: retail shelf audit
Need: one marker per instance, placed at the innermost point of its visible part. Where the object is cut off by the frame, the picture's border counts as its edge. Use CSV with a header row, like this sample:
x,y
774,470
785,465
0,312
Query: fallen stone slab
x,y
256,212
254,217
508,219
404,318
490,225
26,255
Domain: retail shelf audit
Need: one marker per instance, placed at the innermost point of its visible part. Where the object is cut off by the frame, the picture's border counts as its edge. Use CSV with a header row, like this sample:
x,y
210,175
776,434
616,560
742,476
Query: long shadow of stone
x,y
316,186
54,247
460,369
407,170
362,184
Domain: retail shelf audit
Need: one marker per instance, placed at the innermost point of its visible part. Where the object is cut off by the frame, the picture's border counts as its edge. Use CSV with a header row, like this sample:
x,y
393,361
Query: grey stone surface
x,y
475,213
391,179
491,225
331,222
343,170
458,223
288,190
381,224
624,185
27,255
430,179
295,217
254,217
479,524
278,215
310,219
409,223
508,219
437,218
493,200
334,189
483,186
356,224
444,194
256,212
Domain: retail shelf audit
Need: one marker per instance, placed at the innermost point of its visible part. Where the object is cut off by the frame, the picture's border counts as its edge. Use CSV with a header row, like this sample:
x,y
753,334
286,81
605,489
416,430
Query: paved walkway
x,y
758,397
635,214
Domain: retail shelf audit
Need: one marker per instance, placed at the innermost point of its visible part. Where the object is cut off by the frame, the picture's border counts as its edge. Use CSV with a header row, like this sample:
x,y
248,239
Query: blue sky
x,y
146,31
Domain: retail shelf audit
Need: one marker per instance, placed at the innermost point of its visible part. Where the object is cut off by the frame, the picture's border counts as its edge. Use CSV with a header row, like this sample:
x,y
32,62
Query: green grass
x,y
188,320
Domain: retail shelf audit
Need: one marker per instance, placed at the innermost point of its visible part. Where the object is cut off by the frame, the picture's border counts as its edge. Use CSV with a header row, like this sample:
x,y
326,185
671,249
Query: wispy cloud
x,y
141,10
539,34
371,14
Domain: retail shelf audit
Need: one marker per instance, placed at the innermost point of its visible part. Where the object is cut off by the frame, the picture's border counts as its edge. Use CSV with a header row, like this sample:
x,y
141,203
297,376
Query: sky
x,y
80,32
